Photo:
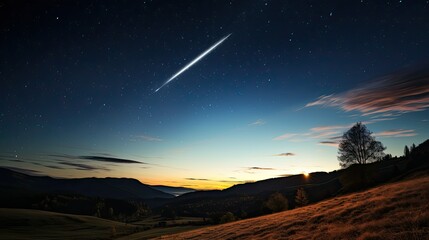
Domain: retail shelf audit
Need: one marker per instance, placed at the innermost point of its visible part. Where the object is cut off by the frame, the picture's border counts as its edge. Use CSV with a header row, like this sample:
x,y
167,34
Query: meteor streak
x,y
193,62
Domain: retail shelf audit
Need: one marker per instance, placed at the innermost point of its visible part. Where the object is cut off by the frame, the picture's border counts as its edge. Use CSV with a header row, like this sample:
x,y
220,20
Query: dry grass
x,y
393,211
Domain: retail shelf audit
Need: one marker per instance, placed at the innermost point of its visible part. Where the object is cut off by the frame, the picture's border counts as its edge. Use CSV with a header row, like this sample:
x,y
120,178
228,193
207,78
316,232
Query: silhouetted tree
x,y
301,198
406,151
412,148
359,147
277,202
387,157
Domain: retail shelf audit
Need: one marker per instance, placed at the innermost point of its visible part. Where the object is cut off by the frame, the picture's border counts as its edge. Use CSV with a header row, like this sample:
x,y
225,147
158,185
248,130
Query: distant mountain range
x,y
115,188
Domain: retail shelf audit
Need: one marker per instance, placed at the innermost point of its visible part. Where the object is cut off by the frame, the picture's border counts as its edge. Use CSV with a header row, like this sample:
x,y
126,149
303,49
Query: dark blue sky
x,y
78,81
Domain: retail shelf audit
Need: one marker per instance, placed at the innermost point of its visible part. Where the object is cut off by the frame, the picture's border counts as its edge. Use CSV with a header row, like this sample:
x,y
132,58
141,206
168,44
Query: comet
x,y
197,59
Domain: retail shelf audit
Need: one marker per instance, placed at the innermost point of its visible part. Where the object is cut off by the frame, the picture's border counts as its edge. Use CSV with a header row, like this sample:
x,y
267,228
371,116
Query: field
x,y
392,211
171,226
35,224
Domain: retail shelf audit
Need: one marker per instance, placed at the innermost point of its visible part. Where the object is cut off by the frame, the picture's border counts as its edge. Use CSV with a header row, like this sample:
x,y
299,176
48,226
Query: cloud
x,y
100,158
147,138
286,175
230,181
396,133
397,93
330,128
316,132
329,143
24,171
63,156
325,134
53,167
285,136
198,179
375,120
258,122
260,168
47,165
335,141
284,154
109,159
84,167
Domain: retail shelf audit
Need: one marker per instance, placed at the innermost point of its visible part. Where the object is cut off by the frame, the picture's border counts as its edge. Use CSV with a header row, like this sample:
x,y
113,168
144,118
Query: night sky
x,y
78,81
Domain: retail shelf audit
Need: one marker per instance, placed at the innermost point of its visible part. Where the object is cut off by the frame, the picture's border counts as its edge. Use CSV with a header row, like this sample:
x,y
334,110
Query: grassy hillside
x,y
34,224
392,211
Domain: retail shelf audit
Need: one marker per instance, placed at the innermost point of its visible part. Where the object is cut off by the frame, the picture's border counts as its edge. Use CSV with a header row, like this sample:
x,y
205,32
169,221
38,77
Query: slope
x,y
392,211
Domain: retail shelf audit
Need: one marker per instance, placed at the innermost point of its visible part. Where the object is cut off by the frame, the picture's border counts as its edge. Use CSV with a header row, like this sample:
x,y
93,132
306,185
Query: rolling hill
x,y
115,188
391,211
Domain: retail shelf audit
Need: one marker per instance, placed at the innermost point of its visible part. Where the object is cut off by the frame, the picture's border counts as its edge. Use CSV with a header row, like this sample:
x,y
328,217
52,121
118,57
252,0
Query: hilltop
x,y
391,211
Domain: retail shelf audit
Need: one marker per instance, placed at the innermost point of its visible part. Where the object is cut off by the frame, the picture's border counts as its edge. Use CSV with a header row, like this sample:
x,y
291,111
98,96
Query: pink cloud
x,y
392,94
285,136
396,133
314,133
329,143
330,128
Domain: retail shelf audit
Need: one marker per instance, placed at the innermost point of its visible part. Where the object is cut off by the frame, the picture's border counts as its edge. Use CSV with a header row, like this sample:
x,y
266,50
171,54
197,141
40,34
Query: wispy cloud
x,y
329,143
99,158
330,128
24,170
376,119
396,133
260,168
198,179
258,122
285,136
256,169
84,167
316,132
392,94
285,154
286,175
230,181
110,159
147,138
53,167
